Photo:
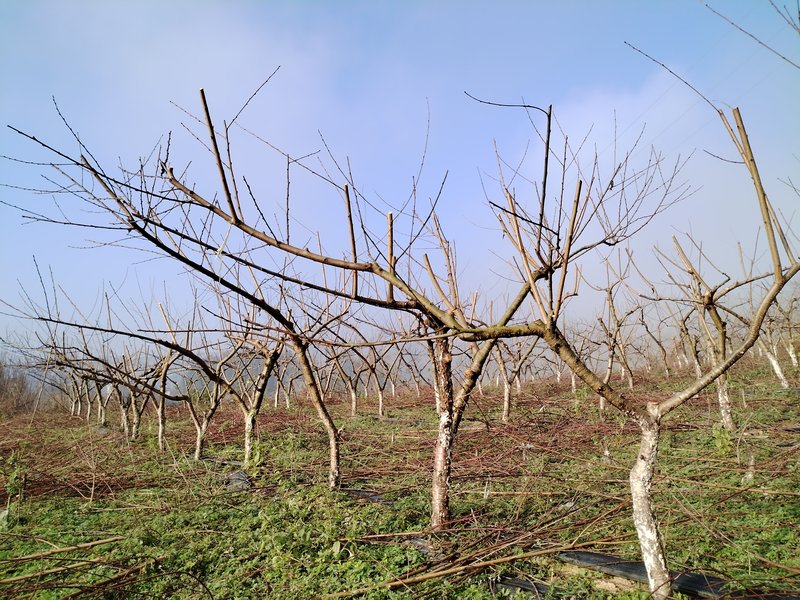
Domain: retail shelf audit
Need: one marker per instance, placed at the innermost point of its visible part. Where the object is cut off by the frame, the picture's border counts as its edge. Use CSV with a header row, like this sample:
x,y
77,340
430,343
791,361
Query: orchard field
x,y
91,514
573,375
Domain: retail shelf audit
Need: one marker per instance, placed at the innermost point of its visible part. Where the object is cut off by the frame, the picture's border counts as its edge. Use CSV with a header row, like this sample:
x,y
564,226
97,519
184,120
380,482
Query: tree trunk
x,y
437,393
75,407
287,395
644,518
381,404
136,421
250,404
200,439
102,418
442,467
694,354
791,351
334,475
90,400
353,401
506,400
124,412
137,409
125,421
102,403
200,428
443,450
723,397
772,357
162,422
249,431
626,373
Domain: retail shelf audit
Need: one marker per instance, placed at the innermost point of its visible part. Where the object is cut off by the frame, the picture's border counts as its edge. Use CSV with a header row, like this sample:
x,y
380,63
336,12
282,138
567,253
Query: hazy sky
x,y
368,76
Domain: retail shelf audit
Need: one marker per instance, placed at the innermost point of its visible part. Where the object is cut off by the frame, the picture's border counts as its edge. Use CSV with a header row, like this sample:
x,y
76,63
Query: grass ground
x,y
90,515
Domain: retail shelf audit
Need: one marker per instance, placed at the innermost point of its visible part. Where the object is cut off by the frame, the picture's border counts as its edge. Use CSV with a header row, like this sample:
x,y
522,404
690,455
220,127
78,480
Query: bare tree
x,y
286,374
708,302
225,239
548,241
517,354
656,339
222,242
649,415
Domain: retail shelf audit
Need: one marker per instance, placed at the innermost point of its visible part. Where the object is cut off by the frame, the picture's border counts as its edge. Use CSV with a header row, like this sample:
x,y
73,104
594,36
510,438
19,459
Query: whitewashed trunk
x,y
381,404
200,428
442,466
437,394
84,391
334,474
443,449
506,401
792,352
102,418
200,438
644,517
75,407
723,397
125,421
249,434
90,400
287,394
776,367
353,402
136,421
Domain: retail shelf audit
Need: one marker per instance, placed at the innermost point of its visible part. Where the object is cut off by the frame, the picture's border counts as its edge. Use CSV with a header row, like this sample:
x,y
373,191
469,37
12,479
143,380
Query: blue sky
x,y
368,75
